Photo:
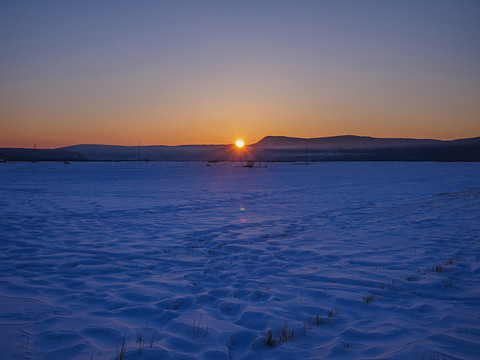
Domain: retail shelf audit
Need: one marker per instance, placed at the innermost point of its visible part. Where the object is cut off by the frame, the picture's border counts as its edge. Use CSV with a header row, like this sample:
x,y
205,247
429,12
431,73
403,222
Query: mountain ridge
x,y
351,141
269,148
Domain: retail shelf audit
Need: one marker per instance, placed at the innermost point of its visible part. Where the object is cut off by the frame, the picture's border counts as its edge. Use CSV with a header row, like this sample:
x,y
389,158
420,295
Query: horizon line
x,y
229,144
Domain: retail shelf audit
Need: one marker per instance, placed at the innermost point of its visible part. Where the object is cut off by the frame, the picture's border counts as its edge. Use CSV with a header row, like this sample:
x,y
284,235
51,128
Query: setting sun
x,y
239,143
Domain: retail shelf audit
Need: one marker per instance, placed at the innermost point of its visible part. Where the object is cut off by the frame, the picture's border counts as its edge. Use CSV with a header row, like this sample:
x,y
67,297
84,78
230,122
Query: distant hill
x,y
20,154
157,152
342,142
362,148
270,148
283,148
345,142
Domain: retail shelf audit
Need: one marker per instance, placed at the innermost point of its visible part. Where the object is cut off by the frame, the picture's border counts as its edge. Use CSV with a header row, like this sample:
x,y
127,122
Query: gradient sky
x,y
209,72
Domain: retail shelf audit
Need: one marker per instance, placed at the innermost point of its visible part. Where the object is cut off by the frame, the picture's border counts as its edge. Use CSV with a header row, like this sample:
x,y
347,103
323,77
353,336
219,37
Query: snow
x,y
189,261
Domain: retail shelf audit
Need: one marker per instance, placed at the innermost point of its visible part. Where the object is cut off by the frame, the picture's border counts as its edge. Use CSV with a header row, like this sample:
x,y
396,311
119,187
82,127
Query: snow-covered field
x,y
188,261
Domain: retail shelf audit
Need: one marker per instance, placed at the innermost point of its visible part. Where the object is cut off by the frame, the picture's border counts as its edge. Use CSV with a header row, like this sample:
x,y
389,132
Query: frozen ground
x,y
189,261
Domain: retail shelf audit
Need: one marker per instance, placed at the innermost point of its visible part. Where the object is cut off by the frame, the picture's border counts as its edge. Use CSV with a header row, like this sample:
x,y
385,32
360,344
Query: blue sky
x,y
177,72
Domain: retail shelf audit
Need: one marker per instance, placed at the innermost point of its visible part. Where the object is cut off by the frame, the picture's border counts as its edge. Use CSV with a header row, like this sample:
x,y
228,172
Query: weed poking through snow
x,y
197,330
369,298
122,350
285,333
333,313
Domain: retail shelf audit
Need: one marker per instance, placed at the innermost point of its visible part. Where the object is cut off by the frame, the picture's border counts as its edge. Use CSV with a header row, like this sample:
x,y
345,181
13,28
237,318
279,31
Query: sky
x,y
210,72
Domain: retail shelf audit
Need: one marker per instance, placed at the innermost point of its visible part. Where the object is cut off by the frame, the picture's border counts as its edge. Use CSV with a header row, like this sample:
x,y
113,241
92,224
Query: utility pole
x,y
306,152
